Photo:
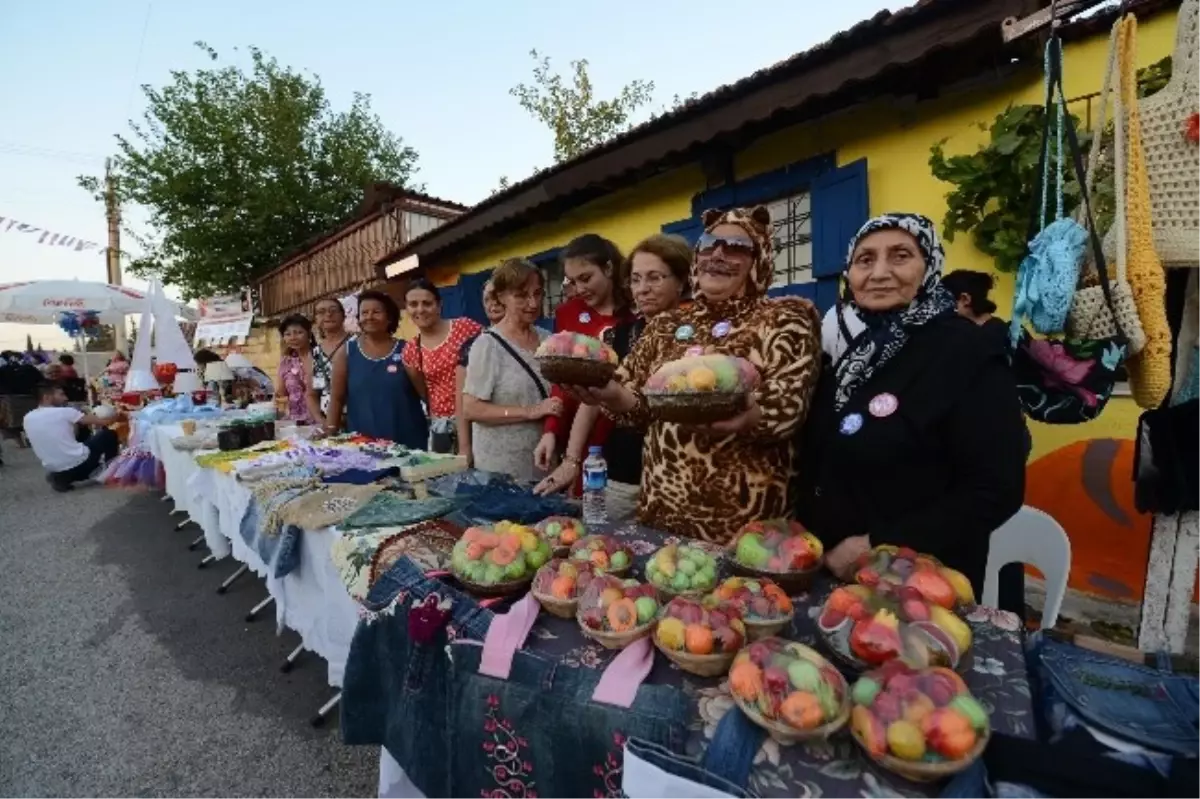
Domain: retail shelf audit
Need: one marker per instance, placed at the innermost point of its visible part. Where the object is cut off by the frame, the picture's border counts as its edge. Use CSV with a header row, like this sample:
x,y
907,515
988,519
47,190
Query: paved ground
x,y
123,673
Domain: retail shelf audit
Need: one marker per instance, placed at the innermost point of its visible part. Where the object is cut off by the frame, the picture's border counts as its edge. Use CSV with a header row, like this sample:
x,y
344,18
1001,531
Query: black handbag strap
x,y
537,381
1054,94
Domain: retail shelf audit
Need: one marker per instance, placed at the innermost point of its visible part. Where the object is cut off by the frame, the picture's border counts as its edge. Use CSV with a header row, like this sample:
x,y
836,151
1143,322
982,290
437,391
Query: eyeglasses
x,y
708,243
652,280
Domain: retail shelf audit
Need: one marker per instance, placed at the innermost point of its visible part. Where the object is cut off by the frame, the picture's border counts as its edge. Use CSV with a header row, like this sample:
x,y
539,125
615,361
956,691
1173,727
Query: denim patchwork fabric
x,y
684,767
280,552
540,732
1139,704
395,689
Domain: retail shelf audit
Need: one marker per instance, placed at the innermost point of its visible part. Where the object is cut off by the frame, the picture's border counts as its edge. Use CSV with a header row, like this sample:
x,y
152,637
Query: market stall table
x,y
310,599
380,658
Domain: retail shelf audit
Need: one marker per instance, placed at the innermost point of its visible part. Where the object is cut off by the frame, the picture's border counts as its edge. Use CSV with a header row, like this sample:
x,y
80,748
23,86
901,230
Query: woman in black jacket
x,y
915,437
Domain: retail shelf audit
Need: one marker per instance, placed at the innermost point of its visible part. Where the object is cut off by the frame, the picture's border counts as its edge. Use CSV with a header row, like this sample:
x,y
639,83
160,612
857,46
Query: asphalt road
x,y
123,672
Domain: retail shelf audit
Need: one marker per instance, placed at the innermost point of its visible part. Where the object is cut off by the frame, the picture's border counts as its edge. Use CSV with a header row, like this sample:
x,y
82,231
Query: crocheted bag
x,y
1150,369
1066,381
1090,315
1169,117
1049,272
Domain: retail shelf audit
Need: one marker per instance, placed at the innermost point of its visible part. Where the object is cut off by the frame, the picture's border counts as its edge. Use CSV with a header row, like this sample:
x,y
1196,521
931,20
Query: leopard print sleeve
x,y
791,353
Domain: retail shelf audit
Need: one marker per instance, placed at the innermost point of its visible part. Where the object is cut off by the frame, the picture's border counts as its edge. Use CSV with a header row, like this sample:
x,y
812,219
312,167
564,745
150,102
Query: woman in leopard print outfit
x,y
706,482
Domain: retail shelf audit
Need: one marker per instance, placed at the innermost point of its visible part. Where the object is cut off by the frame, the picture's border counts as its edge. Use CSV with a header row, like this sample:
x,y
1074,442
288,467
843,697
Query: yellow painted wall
x,y
896,139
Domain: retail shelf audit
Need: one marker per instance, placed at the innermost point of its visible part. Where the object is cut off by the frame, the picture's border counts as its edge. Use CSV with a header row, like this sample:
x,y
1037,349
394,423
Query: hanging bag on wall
x,y
1090,316
1150,369
1067,380
1049,272
1171,135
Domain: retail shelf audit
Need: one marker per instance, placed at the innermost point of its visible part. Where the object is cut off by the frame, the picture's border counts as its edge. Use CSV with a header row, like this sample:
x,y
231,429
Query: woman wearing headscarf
x,y
706,482
915,437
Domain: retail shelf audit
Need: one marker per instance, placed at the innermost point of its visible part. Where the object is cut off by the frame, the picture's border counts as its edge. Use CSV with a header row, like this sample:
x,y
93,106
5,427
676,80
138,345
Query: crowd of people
x,y
893,420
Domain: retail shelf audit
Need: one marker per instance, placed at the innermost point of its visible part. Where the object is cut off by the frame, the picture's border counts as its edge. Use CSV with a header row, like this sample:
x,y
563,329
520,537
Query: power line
x,y
137,65
49,153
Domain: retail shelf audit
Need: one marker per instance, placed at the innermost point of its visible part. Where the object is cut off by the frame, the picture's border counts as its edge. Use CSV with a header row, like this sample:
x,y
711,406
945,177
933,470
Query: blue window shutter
x,y
839,208
471,297
826,295
452,305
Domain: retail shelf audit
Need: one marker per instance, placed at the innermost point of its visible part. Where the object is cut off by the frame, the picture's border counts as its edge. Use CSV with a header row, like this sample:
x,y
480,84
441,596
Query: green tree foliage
x,y
238,168
570,109
994,190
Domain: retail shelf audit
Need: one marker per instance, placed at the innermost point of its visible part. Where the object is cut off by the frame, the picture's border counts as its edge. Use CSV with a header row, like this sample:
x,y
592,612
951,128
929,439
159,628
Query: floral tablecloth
x,y
996,676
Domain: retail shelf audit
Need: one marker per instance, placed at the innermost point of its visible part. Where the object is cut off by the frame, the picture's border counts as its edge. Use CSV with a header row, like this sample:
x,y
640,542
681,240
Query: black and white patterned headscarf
x,y
887,331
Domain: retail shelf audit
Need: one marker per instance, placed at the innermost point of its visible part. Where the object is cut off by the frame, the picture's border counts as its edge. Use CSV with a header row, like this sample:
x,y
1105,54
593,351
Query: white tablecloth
x,y
312,599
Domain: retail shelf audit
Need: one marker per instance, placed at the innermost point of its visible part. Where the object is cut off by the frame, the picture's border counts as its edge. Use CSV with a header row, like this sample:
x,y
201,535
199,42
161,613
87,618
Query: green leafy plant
x,y
995,186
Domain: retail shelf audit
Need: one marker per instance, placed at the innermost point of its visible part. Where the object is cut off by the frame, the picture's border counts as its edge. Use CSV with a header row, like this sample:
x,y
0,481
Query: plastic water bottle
x,y
595,483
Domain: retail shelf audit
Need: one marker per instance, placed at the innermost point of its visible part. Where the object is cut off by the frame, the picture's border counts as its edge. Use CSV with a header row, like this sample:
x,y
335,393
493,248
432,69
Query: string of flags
x,y
47,237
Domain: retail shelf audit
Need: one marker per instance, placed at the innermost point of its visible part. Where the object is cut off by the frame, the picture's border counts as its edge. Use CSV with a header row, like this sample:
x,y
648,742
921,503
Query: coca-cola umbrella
x,y
41,301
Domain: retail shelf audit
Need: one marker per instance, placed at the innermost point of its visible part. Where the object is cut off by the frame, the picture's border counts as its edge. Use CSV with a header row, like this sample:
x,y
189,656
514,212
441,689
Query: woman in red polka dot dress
x,y
432,358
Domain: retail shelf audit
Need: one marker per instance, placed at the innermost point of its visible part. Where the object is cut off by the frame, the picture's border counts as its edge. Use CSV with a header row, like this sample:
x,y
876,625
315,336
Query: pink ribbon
x,y
620,681
505,636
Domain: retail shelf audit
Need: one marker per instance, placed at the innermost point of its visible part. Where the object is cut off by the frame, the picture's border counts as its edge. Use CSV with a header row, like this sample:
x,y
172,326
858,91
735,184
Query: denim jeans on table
x,y
540,731
396,691
1135,703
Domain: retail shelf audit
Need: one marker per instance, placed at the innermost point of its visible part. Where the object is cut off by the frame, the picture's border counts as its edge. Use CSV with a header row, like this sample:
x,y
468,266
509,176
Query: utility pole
x,y
112,210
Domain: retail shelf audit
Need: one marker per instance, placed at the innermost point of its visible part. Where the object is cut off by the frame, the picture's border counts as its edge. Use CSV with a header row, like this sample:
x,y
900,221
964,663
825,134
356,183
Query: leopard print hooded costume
x,y
707,487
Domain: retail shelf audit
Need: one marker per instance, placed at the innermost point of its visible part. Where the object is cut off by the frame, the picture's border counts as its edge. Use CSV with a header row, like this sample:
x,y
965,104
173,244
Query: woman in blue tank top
x,y
370,383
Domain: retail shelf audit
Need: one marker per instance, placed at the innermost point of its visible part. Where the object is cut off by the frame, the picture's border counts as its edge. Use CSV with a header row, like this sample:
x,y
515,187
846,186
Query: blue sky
x,y
438,73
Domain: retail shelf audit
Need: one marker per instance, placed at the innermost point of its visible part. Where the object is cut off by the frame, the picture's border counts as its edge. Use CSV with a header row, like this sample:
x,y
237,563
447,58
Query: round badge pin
x,y
684,332
883,405
391,368
396,357
585,317
851,424
692,352
721,329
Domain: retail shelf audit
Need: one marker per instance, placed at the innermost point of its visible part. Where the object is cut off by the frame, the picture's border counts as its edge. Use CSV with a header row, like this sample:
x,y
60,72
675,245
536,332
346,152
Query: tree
x,y
239,168
106,341
28,343
577,119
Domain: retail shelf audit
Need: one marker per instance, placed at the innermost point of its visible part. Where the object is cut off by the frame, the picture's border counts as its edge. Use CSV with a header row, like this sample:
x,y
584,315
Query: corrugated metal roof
x,y
870,32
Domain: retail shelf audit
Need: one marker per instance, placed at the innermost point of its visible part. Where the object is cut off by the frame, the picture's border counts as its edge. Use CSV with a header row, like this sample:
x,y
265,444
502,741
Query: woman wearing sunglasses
x,y
706,482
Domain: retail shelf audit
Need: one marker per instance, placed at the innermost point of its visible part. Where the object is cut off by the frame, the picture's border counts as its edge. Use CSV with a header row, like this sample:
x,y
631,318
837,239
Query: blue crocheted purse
x,y
1049,272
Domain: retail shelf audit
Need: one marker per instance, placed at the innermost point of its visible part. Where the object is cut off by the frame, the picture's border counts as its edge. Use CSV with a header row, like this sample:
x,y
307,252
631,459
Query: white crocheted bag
x,y
1091,316
1173,159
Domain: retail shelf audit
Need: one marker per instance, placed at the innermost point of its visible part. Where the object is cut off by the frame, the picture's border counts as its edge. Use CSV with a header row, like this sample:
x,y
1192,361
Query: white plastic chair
x,y
1035,538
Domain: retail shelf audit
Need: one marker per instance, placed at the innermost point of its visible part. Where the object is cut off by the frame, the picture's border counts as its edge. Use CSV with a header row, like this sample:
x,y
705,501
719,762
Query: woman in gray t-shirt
x,y
505,396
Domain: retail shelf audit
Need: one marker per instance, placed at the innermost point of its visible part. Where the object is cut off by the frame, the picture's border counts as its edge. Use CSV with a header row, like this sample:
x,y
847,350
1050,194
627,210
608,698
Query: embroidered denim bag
x,y
1061,381
540,731
397,681
1147,706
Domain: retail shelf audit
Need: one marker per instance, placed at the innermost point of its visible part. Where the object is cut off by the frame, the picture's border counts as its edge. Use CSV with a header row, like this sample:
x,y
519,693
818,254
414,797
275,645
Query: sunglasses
x,y
707,244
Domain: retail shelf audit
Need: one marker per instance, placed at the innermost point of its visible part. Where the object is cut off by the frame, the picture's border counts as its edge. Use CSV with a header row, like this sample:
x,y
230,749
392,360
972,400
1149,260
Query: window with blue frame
x,y
816,207
549,263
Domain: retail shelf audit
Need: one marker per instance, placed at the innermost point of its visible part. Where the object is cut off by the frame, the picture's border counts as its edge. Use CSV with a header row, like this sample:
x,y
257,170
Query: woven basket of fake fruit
x,y
614,612
789,690
866,627
701,389
491,563
921,724
560,532
558,585
701,637
766,608
780,550
573,359
681,570
938,584
605,553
